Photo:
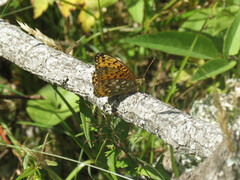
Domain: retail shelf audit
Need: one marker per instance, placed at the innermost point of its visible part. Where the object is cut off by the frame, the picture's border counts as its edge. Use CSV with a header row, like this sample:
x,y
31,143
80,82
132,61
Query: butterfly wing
x,y
102,61
104,85
112,77
108,88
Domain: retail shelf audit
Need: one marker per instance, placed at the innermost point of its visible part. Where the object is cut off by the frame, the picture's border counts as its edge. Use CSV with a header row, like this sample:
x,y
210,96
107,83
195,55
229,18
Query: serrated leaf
x,y
87,16
178,43
232,38
213,68
121,164
52,110
40,6
65,8
87,20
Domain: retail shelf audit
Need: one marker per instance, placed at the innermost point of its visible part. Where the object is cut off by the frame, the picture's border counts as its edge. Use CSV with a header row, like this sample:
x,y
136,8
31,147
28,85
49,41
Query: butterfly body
x,y
112,77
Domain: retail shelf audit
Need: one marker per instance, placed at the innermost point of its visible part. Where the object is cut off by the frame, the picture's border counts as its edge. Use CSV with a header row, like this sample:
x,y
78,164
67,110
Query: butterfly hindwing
x,y
113,87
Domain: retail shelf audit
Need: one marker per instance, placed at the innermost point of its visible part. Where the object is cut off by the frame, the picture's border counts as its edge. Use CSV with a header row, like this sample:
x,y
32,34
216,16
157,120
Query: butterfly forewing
x,y
103,60
106,73
112,77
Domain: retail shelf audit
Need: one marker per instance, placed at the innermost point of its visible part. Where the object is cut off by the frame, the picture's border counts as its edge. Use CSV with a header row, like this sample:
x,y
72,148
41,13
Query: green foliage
x,y
136,9
193,43
86,116
223,17
177,43
213,68
52,110
28,173
231,42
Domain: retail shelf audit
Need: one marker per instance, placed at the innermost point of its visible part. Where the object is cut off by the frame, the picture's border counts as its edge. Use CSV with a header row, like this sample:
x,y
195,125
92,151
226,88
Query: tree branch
x,y
222,164
180,130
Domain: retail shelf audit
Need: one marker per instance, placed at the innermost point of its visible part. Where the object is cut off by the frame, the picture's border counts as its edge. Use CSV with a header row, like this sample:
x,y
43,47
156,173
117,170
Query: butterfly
x,y
112,77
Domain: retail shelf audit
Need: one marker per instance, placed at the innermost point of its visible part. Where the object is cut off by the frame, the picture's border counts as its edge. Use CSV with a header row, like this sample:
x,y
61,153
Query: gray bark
x,y
223,164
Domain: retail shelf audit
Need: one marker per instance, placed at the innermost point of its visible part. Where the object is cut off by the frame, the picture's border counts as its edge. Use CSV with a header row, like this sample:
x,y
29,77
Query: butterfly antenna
x,y
148,67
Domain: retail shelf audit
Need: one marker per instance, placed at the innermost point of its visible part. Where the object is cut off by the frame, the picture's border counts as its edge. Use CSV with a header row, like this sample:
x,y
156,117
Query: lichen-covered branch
x,y
182,131
223,164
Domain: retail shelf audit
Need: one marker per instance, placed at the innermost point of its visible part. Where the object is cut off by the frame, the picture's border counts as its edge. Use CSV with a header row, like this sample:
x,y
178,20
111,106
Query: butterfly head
x,y
140,81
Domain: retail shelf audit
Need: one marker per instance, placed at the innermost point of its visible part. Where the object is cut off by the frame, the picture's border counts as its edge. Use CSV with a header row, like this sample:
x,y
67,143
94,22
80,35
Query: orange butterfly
x,y
112,77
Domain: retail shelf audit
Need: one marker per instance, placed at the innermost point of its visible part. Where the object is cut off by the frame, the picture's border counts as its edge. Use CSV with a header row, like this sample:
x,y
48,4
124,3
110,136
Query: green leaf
x,y
232,38
86,114
150,172
51,163
177,43
213,68
136,9
27,172
51,173
52,110
105,3
75,172
223,17
40,6
111,161
236,2
124,163
174,165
